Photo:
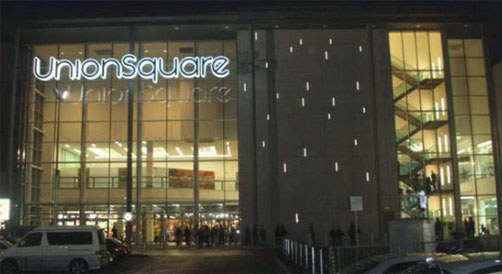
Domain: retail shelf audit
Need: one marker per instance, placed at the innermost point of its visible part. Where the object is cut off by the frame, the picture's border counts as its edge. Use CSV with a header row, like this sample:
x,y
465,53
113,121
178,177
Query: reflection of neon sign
x,y
129,67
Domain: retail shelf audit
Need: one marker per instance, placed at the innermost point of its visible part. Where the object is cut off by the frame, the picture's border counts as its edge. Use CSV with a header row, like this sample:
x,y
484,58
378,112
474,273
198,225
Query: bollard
x,y
321,268
293,252
306,256
301,254
313,260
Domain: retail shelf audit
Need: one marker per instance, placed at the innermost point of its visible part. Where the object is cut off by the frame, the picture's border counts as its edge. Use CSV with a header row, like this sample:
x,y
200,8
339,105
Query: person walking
x,y
434,181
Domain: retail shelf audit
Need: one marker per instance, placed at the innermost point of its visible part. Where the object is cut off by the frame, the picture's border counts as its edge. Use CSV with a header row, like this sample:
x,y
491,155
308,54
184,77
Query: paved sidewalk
x,y
208,260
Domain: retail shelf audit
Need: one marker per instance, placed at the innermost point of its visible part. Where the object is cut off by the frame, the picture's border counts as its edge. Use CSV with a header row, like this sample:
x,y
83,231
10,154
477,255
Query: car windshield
x,y
4,244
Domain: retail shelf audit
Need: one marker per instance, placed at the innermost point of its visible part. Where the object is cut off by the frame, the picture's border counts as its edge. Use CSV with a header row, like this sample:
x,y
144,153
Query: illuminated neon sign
x,y
129,67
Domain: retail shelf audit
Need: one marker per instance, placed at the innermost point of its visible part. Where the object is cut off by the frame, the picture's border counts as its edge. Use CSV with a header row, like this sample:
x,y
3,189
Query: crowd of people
x,y
204,236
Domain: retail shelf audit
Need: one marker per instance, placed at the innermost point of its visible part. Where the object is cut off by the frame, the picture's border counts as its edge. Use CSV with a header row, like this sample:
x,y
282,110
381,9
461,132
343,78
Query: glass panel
x,y
463,125
484,165
410,51
436,50
483,144
459,86
455,48
461,105
475,66
457,67
477,85
479,105
481,125
473,48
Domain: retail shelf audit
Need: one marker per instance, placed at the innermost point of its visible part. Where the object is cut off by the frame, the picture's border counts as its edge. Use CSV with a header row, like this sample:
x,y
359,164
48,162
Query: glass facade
x,y
422,128
473,133
423,142
76,141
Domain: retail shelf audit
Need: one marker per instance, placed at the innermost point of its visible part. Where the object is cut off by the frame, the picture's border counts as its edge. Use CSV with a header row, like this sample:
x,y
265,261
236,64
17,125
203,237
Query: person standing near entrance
x,y
187,233
214,233
255,235
438,229
247,236
115,233
179,236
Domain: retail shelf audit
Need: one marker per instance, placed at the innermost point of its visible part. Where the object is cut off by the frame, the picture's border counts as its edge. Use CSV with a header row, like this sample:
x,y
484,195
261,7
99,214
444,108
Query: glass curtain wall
x,y
421,123
59,159
473,135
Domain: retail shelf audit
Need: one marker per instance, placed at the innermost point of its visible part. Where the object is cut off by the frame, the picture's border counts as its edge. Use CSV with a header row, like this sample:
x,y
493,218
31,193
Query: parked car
x,y
77,249
471,266
4,244
395,263
117,248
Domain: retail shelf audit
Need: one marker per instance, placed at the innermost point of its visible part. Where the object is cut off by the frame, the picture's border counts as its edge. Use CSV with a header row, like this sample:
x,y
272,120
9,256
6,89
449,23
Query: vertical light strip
x,y
304,152
444,206
336,166
450,202
441,175
439,144
448,178
443,108
445,137
284,168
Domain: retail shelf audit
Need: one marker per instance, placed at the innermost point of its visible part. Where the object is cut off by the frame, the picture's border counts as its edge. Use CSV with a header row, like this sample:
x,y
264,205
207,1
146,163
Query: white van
x,y
77,249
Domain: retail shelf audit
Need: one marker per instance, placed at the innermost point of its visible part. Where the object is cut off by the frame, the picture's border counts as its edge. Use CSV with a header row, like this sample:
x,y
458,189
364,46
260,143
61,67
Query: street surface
x,y
212,260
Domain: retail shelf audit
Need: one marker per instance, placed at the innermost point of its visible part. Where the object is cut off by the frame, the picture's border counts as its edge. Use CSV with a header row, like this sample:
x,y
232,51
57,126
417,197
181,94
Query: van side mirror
x,y
22,243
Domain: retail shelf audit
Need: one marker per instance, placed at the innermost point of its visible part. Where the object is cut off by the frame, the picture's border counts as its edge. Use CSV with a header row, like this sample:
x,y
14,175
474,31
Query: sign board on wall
x,y
129,67
4,210
356,203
